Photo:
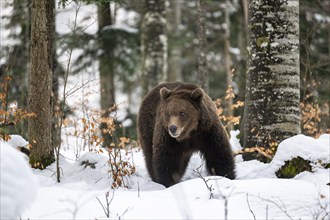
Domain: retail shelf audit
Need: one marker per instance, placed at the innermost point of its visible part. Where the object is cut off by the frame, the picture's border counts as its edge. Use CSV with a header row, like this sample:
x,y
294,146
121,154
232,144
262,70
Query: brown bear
x,y
175,120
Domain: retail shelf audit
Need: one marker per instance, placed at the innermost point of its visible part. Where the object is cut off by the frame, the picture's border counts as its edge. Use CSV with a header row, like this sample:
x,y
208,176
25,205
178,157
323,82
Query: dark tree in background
x,y
229,67
154,44
202,70
106,65
174,17
17,57
40,83
272,111
315,65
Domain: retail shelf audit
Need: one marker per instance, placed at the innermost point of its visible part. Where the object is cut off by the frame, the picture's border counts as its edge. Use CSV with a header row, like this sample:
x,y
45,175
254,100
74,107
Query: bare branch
x,y
209,187
106,207
248,202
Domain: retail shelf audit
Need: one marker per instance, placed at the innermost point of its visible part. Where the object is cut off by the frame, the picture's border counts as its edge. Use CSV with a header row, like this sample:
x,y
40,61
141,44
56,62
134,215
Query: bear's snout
x,y
173,129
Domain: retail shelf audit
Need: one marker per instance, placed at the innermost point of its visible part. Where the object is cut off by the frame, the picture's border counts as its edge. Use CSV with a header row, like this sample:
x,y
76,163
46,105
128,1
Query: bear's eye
x,y
182,113
168,114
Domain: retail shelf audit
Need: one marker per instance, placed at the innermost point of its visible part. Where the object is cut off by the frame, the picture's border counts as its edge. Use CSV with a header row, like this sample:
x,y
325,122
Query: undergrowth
x,y
10,113
88,136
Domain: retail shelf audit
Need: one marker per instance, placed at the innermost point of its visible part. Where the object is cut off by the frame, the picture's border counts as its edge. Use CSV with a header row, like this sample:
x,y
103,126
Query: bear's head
x,y
180,111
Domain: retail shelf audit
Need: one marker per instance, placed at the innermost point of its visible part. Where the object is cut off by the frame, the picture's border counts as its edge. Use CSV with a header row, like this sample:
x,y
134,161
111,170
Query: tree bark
x,y
272,111
106,67
40,83
175,53
202,71
154,44
229,110
57,71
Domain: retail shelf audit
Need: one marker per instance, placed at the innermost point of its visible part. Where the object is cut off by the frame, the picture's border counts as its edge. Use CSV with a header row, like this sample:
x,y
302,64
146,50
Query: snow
x,y
256,190
322,18
86,17
122,27
234,50
234,141
17,141
18,184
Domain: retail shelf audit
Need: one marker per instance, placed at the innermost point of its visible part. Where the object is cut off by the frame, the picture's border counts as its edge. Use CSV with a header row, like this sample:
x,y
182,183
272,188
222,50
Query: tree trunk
x,y
272,111
40,83
154,44
229,110
175,53
106,67
202,71
57,71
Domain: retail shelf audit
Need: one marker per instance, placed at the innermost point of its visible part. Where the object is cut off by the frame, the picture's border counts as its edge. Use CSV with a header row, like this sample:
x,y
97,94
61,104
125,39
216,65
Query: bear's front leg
x,y
218,154
166,167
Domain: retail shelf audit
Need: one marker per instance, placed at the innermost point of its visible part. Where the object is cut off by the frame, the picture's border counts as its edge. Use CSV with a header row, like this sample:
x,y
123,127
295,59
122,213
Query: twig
x,y
248,202
106,207
75,207
64,97
225,198
198,172
324,210
138,189
278,206
122,215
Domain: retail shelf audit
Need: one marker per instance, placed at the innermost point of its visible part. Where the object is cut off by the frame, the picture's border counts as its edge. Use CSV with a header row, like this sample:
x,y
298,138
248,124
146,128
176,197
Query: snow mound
x,y
17,141
314,150
308,148
18,185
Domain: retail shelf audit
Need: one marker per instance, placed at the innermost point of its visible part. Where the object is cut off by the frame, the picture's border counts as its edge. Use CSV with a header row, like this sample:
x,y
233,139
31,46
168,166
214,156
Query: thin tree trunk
x,y
175,53
154,44
106,67
245,15
202,71
57,70
40,83
272,111
242,69
229,109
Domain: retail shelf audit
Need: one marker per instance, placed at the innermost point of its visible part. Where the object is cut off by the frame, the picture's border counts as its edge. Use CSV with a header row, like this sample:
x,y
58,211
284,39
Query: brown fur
x,y
175,120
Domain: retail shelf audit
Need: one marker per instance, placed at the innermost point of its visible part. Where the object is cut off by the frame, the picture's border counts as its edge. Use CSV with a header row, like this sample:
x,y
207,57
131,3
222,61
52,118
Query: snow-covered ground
x,y
255,194
18,185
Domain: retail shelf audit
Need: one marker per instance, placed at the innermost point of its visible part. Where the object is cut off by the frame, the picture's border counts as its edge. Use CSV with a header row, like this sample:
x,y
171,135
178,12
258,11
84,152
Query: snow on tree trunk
x,y
40,83
154,44
202,72
272,111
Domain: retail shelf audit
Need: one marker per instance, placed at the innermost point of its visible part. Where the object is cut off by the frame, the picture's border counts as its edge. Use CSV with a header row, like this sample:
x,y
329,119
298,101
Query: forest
x,y
73,74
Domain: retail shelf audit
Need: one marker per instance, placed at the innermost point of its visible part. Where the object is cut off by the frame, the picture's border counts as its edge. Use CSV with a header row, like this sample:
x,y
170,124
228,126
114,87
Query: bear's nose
x,y
172,129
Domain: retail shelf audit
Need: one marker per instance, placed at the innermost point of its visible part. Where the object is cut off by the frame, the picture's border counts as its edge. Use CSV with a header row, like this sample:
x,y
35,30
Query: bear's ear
x,y
197,94
164,93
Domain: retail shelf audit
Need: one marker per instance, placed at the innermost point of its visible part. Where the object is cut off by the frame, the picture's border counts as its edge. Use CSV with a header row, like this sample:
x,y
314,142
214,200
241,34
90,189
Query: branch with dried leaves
x,y
261,150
